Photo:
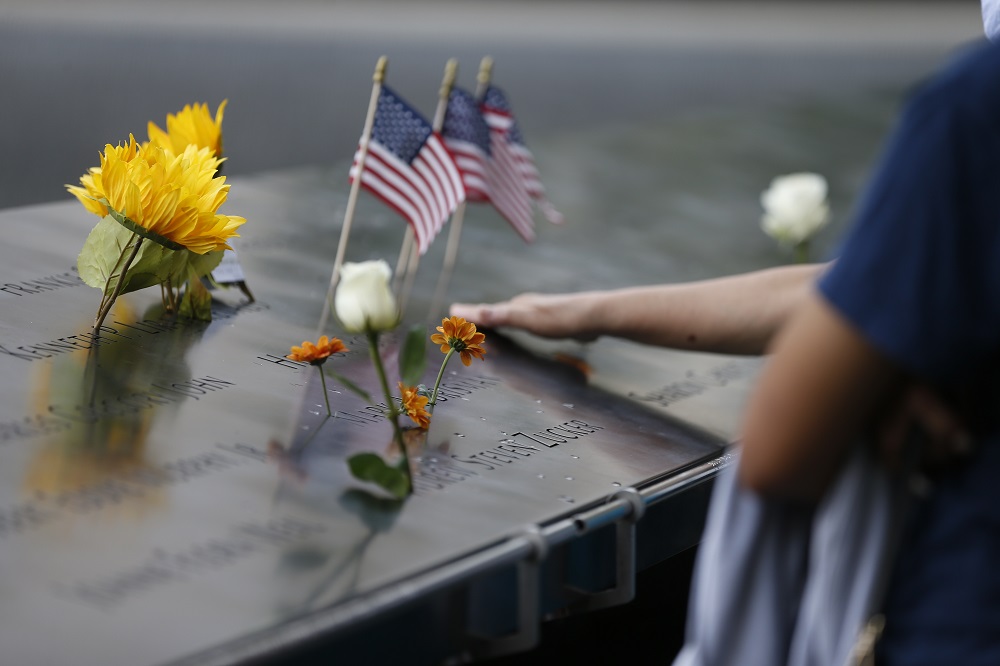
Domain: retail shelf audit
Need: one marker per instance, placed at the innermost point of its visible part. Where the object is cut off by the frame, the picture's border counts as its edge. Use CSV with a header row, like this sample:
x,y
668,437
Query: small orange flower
x,y
414,404
316,354
460,335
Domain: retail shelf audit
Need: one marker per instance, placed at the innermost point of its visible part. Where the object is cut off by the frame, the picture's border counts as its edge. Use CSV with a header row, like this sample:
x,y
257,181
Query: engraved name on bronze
x,y
561,433
27,515
106,334
163,567
41,285
60,418
696,384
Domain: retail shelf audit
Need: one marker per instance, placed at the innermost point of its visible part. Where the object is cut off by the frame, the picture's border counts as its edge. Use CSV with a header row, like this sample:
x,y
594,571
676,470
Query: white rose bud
x,y
364,301
795,207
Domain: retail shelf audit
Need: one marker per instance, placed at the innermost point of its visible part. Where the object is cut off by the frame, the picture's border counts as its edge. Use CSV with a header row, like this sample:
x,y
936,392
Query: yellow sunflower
x,y
316,354
415,405
460,335
191,125
168,198
92,192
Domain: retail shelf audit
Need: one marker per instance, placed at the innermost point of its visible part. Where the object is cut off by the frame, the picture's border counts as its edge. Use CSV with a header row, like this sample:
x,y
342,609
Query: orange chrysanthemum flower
x,y
316,354
415,405
460,335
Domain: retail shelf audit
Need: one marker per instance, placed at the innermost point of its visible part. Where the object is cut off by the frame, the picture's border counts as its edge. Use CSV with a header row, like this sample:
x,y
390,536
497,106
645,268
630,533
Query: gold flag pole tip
x,y
380,67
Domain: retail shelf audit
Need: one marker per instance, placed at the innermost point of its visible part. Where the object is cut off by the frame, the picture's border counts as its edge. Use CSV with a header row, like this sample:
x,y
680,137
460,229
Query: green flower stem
x,y
437,382
116,269
106,307
326,396
802,252
393,414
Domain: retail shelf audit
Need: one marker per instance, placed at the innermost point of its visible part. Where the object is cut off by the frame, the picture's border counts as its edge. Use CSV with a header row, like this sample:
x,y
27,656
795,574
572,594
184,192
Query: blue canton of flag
x,y
467,136
410,169
500,118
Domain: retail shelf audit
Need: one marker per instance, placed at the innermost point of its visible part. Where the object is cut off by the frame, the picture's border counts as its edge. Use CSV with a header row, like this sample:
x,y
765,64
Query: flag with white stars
x,y
467,136
490,170
410,169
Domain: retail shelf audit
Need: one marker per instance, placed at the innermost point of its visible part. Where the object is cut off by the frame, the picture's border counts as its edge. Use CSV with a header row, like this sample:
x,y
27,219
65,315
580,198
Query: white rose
x,y
364,301
795,207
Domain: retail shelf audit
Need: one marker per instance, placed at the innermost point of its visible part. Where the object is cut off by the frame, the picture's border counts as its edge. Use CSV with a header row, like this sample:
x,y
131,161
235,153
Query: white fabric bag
x,y
778,584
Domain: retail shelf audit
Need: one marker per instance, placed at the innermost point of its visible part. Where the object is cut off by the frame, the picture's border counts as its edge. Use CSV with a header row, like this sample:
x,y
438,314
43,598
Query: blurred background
x,y
662,121
638,113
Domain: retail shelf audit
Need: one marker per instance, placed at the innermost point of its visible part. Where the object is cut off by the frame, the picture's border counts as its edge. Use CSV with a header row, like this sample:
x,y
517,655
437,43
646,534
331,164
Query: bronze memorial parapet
x,y
171,491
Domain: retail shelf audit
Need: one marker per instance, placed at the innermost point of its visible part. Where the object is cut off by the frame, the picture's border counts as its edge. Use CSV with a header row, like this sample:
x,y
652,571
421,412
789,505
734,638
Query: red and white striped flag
x,y
489,169
500,118
410,169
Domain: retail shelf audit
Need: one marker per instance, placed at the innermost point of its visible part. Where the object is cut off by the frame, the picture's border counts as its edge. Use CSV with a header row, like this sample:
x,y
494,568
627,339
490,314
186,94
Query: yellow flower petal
x,y
172,195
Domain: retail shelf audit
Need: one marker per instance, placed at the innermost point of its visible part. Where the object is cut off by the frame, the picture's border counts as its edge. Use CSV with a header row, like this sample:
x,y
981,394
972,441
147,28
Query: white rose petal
x,y
364,301
795,207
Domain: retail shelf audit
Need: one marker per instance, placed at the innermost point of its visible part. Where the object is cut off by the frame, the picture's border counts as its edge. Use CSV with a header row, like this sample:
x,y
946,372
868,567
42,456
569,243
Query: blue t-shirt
x,y
919,278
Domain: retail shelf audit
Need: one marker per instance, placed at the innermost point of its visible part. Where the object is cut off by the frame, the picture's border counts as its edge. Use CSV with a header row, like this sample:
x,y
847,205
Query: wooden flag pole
x,y
352,199
447,83
411,273
455,233
403,261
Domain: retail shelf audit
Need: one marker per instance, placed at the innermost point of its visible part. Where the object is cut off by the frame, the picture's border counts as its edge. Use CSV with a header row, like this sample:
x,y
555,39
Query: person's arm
x,y
823,386
738,314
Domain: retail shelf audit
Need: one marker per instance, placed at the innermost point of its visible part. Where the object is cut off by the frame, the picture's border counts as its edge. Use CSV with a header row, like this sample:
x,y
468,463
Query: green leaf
x,y
371,468
351,386
102,256
184,263
413,357
197,301
204,264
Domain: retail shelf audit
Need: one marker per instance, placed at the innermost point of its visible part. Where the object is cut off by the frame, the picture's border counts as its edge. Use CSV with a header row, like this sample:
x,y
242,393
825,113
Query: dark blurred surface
x,y
77,75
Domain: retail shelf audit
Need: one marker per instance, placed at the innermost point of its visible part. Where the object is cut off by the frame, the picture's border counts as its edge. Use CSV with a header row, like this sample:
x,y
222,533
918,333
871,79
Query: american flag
x,y
490,171
500,118
409,168
468,138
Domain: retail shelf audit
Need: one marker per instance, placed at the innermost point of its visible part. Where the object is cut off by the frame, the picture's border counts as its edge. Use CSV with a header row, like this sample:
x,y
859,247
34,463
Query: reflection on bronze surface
x,y
106,436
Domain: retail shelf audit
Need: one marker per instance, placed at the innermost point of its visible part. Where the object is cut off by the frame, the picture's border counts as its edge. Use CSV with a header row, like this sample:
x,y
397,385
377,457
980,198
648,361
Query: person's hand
x,y
547,315
945,437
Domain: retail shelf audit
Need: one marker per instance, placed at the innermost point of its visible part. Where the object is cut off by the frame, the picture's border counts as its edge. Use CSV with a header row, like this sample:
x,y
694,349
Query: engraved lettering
x,y
56,346
43,284
470,461
27,356
162,567
22,518
111,331
557,440
13,289
246,450
282,361
138,327
40,424
421,484
352,418
537,441
493,455
517,448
